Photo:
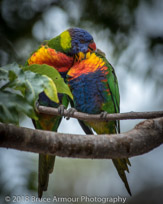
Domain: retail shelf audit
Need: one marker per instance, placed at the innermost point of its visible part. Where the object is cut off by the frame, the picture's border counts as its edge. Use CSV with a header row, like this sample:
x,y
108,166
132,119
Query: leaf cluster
x,y
20,88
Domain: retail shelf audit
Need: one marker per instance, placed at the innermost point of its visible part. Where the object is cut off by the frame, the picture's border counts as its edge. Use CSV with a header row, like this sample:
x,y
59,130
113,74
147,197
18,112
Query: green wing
x,y
46,162
114,91
113,106
112,83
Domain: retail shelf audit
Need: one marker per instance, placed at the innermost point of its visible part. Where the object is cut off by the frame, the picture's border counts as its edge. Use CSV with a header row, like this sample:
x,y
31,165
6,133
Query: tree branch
x,y
143,138
116,116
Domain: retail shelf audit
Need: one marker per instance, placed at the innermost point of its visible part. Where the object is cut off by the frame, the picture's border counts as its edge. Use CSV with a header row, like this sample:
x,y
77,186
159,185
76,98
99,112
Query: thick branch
x,y
144,137
116,116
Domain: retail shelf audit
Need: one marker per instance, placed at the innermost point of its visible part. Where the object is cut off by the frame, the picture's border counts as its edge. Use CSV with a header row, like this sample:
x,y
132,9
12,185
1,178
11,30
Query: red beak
x,y
92,46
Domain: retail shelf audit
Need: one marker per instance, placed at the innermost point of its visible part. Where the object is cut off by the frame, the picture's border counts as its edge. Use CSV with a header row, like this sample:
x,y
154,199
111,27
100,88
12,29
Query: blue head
x,y
73,41
81,41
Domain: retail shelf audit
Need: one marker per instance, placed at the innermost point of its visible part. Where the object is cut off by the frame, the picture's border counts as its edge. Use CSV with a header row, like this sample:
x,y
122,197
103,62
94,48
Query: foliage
x,y
19,89
53,74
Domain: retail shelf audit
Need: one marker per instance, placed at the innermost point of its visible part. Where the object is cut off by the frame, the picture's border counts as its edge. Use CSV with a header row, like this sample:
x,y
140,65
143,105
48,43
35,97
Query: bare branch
x,y
116,116
143,138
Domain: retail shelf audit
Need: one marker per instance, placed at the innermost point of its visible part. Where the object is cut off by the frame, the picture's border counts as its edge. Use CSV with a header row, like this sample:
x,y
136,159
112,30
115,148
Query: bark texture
x,y
146,136
115,116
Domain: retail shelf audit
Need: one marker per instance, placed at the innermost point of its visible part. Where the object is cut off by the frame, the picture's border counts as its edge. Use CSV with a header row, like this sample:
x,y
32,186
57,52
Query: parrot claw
x,y
61,109
70,112
103,115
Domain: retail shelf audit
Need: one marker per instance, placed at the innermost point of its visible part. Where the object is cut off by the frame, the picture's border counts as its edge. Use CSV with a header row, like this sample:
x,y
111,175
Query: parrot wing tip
x,y
40,192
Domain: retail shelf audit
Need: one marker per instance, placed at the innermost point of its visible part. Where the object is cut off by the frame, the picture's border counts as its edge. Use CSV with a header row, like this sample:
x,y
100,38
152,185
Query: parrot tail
x,y
121,166
46,165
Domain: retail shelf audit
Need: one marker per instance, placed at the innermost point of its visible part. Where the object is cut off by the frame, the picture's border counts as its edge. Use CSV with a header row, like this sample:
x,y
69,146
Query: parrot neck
x,y
81,56
86,63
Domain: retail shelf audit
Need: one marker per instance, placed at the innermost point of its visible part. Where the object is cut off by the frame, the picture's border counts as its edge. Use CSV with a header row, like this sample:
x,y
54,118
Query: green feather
x,y
55,43
46,162
46,165
121,166
112,127
61,43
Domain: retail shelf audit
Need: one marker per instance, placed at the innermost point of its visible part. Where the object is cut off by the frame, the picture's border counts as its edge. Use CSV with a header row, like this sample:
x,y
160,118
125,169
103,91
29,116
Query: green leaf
x,y
3,74
52,92
12,75
32,84
12,104
19,91
49,71
38,81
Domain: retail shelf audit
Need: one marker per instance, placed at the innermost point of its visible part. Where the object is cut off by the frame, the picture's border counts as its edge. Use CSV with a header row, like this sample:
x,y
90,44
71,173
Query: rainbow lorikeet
x,y
94,86
59,53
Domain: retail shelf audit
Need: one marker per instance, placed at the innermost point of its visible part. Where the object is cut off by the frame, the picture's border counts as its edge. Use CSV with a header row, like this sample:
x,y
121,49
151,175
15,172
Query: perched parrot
x,y
94,86
59,53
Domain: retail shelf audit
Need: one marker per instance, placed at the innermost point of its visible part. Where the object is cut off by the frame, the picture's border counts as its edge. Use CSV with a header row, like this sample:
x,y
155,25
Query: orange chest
x,y
46,55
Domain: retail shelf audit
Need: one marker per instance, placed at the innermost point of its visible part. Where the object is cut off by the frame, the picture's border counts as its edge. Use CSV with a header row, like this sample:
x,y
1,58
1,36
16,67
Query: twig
x,y
146,136
116,116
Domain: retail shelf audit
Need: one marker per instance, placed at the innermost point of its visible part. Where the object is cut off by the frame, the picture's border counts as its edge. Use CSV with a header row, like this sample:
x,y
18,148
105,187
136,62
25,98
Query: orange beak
x,y
92,46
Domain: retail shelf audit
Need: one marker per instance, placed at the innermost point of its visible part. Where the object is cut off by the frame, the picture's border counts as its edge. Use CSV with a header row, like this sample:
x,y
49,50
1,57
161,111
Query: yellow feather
x,y
65,40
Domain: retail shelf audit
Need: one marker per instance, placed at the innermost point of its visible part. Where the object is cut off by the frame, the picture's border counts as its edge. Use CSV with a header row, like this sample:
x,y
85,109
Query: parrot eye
x,y
82,41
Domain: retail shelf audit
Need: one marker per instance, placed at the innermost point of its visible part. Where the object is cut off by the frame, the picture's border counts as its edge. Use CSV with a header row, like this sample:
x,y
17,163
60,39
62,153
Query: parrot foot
x,y
61,109
103,115
70,112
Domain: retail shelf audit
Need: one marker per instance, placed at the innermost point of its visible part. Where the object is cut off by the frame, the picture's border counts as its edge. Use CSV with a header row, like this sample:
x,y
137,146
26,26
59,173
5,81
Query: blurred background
x,y
131,35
